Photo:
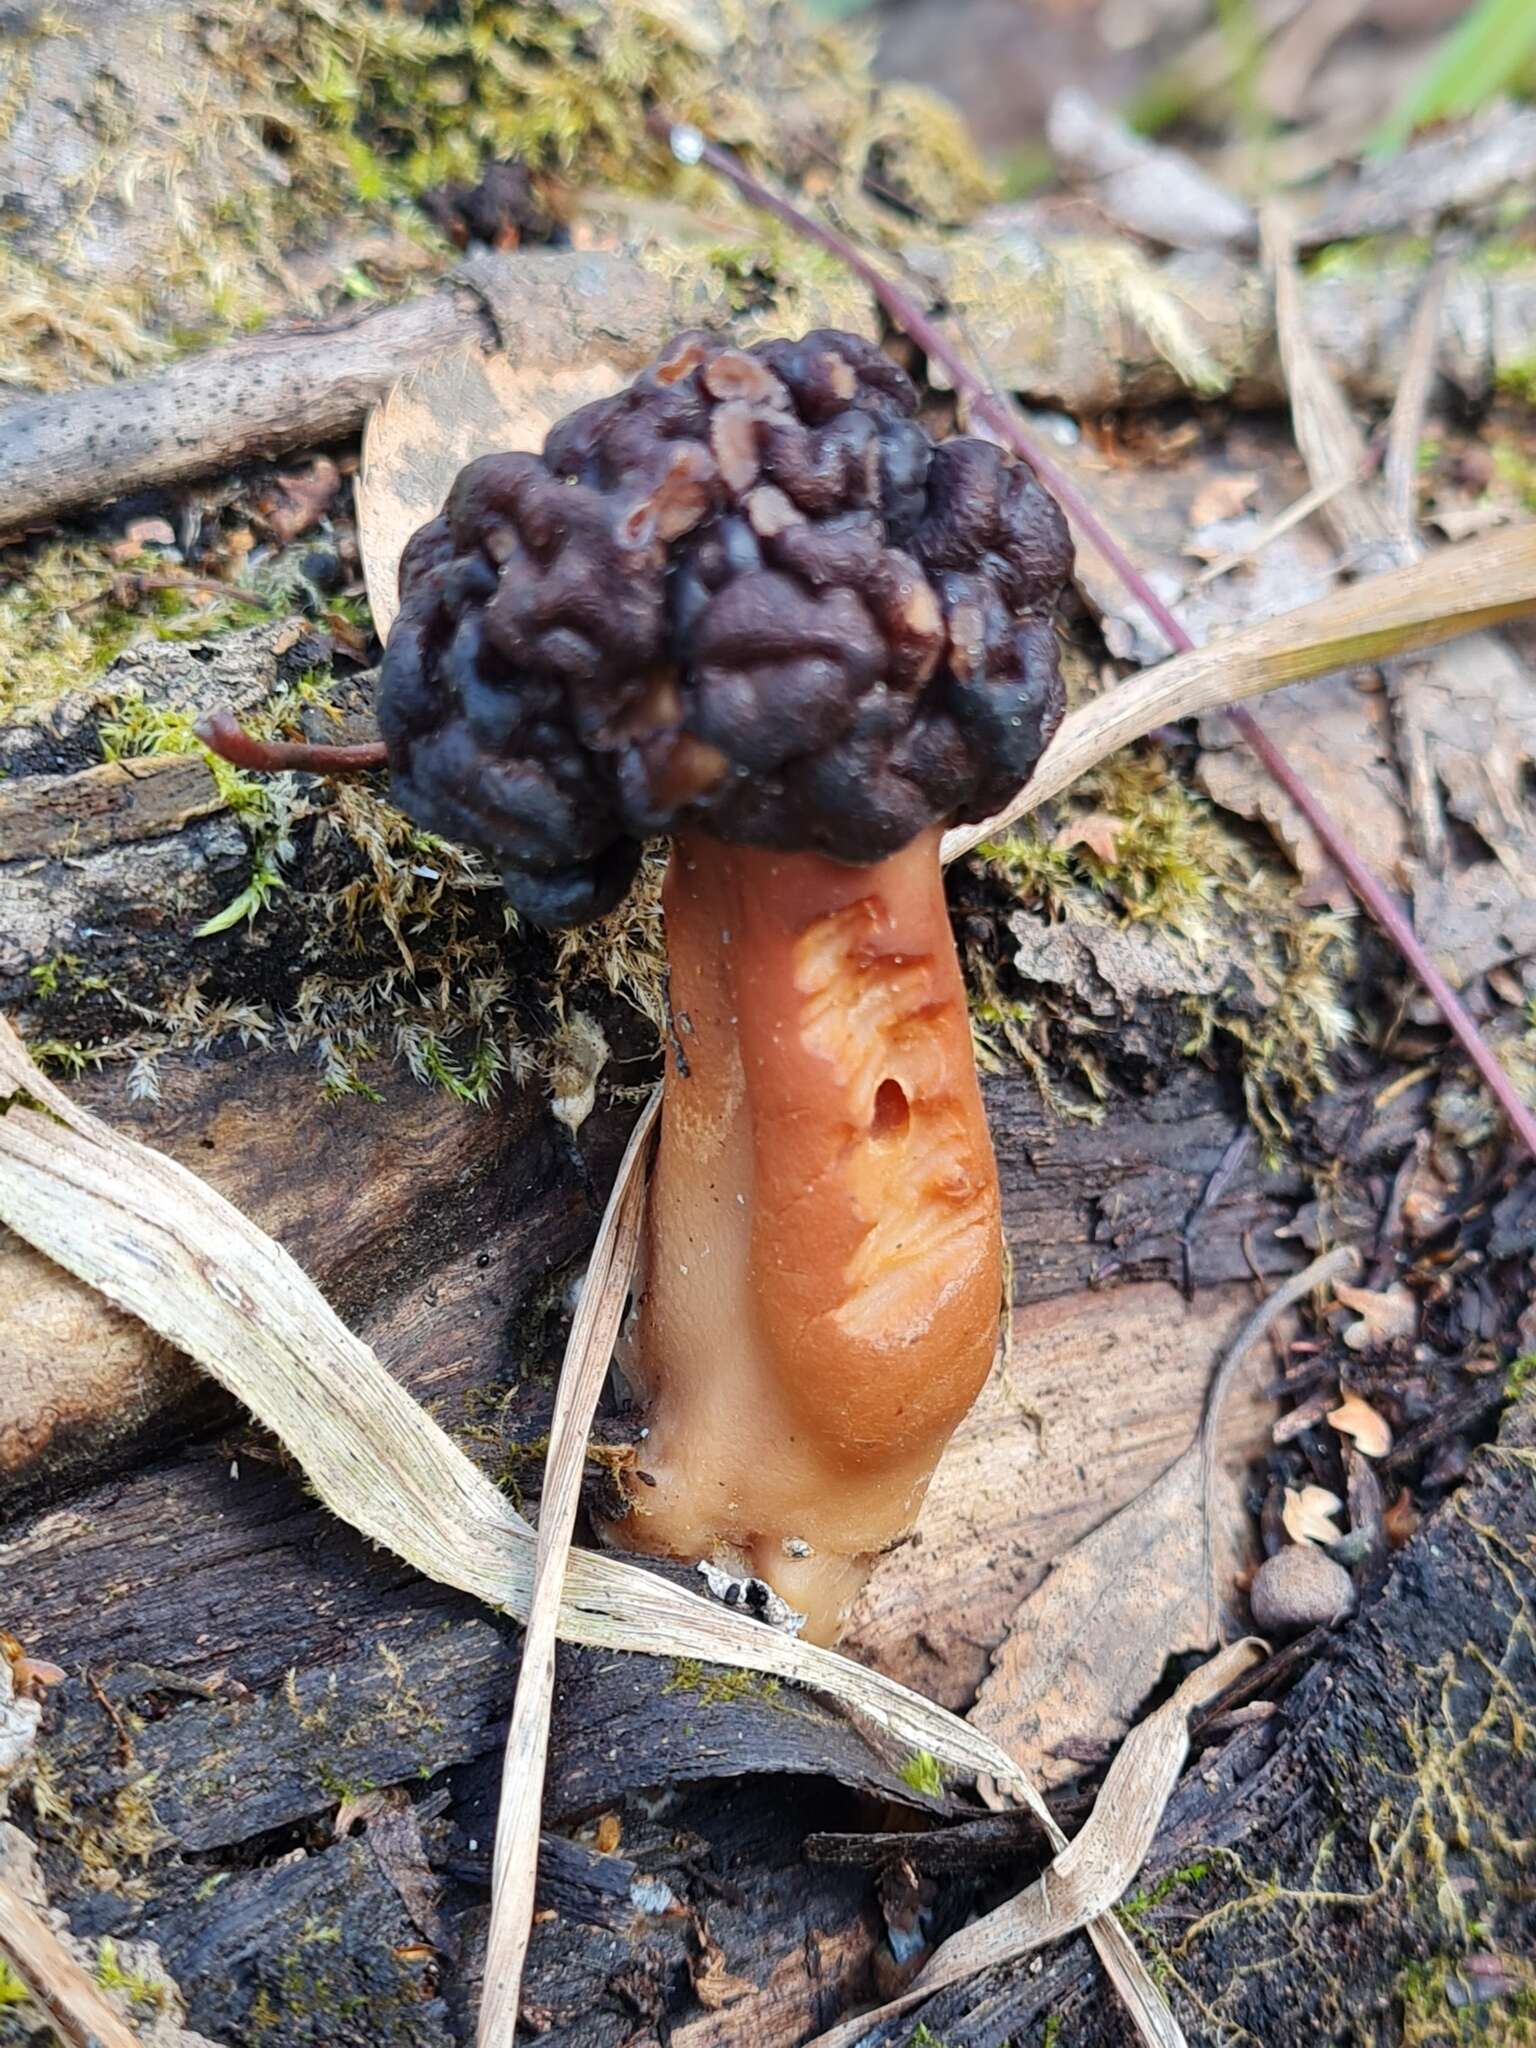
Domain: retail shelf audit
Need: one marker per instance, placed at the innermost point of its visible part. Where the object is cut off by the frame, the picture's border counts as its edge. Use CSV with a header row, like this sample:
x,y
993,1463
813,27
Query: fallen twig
x,y
1001,418
258,398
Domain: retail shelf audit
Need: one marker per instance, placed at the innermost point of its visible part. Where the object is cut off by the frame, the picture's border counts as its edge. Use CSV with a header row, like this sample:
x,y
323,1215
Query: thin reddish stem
x,y
223,734
690,147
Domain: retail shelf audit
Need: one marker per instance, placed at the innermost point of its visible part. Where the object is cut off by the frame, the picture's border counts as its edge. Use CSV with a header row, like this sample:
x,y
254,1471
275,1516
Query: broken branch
x,y
82,2016
252,400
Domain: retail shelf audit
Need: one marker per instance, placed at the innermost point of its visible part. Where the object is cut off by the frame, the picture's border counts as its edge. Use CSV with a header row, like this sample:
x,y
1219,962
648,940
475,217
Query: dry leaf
x,y
1478,711
431,424
1358,1419
1087,1648
1223,497
1339,740
1308,1514
1098,831
1092,1872
296,500
1474,919
1483,583
1100,1392
1386,1318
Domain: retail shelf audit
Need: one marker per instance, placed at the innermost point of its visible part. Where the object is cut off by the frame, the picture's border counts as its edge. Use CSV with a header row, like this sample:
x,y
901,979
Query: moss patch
x,y
282,124
62,622
1132,844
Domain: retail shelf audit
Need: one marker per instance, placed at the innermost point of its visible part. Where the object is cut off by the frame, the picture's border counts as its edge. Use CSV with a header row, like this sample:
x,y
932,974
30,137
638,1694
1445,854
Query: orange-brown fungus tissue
x,y
750,603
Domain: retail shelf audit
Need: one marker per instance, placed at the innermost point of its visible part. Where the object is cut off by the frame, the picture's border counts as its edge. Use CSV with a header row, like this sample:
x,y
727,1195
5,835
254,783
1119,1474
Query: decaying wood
x,y
431,1187
1332,1872
279,391
65,1992
1037,311
1094,1871
60,817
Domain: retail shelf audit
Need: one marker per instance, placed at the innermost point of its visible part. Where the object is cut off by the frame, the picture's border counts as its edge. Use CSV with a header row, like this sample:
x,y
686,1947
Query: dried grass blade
x,y
68,1996
588,1352
162,1244
1479,583
1327,433
1095,1868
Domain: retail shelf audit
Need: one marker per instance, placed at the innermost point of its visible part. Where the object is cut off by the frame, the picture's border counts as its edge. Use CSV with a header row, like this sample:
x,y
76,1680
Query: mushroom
x,y
750,603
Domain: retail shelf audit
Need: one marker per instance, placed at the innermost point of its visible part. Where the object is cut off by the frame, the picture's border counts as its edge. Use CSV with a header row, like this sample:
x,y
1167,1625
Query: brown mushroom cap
x,y
747,595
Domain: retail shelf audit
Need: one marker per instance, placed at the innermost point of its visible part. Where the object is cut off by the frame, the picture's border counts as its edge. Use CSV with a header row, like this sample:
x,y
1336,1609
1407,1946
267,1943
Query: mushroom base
x,y
824,1268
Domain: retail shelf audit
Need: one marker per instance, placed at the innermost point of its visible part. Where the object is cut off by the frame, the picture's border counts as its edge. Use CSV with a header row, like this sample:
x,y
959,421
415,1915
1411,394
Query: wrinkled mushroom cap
x,y
747,595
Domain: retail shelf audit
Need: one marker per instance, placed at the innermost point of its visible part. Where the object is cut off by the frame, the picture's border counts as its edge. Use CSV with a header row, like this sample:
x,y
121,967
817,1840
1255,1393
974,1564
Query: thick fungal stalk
x,y
824,1274
750,603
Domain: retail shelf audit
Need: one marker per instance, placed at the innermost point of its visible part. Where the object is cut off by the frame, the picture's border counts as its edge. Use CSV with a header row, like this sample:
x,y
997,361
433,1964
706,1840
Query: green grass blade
x,y
1480,58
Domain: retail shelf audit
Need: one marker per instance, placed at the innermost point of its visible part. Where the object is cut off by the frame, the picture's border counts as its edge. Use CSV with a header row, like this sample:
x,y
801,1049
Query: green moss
x,y
262,803
62,624
50,977
1132,841
1135,1908
1368,255
370,105
721,1685
1439,2011
1051,2033
13,1989
1513,464
1517,379
921,1770
146,1995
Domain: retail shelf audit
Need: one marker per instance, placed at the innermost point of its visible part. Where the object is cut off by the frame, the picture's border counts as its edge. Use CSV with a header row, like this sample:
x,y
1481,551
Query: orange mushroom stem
x,y
824,1270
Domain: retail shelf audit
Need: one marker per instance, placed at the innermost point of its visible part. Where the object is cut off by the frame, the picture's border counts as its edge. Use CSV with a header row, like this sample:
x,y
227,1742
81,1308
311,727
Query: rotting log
x,y
242,1668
